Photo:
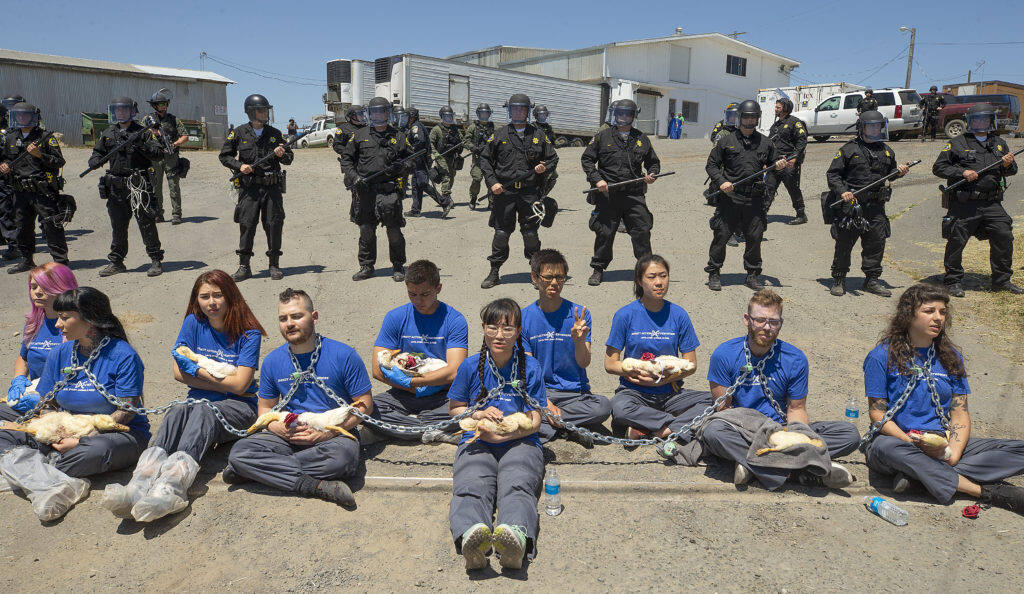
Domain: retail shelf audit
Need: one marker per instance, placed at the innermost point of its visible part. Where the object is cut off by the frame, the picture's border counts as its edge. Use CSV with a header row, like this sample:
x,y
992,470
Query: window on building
x,y
679,64
690,111
735,65
671,107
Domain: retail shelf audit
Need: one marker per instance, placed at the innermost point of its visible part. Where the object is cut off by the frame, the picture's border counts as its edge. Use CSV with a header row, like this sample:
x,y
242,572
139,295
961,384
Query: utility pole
x,y
202,61
735,34
910,56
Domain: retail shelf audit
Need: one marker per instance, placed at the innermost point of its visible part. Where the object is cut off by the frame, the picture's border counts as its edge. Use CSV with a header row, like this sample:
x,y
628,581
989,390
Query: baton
x,y
956,185
877,181
629,181
266,157
751,177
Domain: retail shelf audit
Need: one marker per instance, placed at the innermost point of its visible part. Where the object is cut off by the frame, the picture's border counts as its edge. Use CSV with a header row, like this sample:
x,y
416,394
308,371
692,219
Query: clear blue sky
x,y
853,41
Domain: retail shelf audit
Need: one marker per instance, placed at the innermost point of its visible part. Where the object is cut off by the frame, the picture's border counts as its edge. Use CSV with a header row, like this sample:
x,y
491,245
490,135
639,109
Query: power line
x,y
970,43
893,59
270,75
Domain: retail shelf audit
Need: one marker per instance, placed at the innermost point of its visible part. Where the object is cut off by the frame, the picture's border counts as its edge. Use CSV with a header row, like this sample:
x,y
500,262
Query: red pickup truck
x,y
953,119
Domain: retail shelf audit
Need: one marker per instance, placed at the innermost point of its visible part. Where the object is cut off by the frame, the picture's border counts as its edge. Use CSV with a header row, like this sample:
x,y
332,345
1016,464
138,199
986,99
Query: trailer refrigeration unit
x,y
348,82
427,84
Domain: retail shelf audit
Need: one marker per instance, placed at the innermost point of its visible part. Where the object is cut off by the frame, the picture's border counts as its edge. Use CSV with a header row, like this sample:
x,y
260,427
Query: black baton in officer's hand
x,y
415,155
147,123
751,176
39,142
266,157
629,181
874,183
956,185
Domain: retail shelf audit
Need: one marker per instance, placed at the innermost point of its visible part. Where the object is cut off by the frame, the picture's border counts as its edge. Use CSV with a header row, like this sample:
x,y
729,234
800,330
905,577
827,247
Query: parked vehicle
x,y
804,97
321,133
837,115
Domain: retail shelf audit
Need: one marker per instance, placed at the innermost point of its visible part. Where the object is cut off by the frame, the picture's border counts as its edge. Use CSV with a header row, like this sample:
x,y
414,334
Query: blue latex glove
x,y
185,364
423,391
26,402
396,376
18,385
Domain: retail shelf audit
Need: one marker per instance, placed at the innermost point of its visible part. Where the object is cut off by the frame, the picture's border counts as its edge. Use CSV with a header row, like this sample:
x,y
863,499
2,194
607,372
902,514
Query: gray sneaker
x,y
436,436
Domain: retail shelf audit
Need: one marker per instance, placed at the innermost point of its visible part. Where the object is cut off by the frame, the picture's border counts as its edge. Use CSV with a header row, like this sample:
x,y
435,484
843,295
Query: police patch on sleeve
x,y
945,148
272,139
393,141
839,154
53,141
231,136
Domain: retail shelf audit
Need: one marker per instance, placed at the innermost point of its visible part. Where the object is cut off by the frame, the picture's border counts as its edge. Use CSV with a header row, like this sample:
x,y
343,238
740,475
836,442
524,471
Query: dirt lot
x,y
631,522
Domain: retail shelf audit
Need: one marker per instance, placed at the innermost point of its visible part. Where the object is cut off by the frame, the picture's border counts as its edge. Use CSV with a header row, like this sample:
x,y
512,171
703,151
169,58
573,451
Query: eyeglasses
x,y
769,322
548,278
505,331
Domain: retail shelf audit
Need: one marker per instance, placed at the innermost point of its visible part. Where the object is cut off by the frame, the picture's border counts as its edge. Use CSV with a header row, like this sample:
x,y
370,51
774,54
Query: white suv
x,y
837,115
320,133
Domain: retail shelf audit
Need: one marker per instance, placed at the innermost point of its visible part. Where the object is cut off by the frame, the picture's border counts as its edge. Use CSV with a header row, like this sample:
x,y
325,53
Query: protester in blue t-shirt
x,y
785,369
220,326
39,337
435,329
291,456
915,345
94,340
497,472
647,405
556,332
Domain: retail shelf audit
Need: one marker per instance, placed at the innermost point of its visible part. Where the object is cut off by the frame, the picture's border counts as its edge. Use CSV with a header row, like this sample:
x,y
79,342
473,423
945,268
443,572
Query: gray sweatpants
x,y
94,454
398,406
506,479
985,460
723,440
8,414
193,428
272,460
651,412
580,409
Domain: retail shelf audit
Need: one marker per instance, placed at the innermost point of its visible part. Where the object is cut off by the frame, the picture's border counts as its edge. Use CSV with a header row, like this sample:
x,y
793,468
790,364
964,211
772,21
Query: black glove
x,y
359,182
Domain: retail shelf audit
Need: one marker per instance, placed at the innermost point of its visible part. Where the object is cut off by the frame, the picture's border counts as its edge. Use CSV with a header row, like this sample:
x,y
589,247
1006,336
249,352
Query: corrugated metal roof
x,y
499,48
7,55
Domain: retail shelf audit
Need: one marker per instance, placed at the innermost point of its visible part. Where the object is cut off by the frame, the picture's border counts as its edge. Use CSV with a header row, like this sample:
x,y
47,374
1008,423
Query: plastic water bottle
x,y
885,510
852,412
552,494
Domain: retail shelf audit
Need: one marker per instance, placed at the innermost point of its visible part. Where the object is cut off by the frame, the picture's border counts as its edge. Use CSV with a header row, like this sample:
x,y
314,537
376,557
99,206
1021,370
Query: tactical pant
x,y
103,452
506,208
193,428
505,479
790,178
274,461
28,206
724,441
120,210
733,218
446,165
609,211
984,460
652,412
985,218
258,203
173,185
380,204
549,182
578,409
477,176
398,407
420,184
931,122
8,217
872,243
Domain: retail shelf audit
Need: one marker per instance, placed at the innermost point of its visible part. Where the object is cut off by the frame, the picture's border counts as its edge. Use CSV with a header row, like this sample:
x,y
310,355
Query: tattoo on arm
x,y
958,402
954,431
878,404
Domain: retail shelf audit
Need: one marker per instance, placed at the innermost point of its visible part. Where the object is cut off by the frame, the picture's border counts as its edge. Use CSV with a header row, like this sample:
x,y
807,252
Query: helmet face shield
x,y
874,131
541,115
732,117
622,115
378,115
402,119
749,121
448,117
22,118
121,112
484,115
981,122
518,113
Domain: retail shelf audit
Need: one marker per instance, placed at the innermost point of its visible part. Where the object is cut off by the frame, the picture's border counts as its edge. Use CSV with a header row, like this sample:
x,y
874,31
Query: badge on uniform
x,y
272,139
231,135
393,141
839,154
535,141
638,143
888,154
945,148
53,141
490,138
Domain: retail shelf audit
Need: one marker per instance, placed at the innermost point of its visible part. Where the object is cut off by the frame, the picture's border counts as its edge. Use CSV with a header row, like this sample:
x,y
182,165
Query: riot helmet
x,y
517,108
447,115
160,98
23,115
414,114
608,115
12,100
933,90
872,126
750,114
483,112
258,109
541,113
378,112
624,112
981,118
732,116
868,92
401,116
354,114
121,110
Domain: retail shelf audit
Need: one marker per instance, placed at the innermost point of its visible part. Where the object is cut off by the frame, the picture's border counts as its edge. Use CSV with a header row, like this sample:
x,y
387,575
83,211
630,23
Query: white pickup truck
x,y
321,133
837,115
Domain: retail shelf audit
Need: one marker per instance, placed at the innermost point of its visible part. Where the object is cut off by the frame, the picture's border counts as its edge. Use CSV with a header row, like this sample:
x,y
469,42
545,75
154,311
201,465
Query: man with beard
x,y
294,457
779,392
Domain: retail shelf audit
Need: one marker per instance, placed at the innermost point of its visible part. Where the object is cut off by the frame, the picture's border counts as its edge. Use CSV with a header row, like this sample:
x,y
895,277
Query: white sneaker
x,y
476,543
510,544
741,475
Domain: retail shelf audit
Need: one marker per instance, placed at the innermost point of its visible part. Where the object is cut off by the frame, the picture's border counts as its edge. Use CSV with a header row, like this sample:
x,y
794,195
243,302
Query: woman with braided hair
x,y
914,347
492,470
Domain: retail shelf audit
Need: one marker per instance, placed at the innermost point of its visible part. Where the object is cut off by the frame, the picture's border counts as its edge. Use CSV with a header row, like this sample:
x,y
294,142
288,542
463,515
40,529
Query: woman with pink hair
x,y
40,336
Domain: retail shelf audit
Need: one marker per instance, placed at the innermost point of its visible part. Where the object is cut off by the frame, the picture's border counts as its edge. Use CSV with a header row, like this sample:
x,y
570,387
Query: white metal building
x,y
62,88
693,74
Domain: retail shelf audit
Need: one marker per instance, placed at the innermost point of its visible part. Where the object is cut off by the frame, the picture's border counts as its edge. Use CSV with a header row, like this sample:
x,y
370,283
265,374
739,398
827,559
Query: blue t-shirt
x,y
549,338
46,339
880,381
466,388
786,372
637,330
407,330
339,366
118,369
200,336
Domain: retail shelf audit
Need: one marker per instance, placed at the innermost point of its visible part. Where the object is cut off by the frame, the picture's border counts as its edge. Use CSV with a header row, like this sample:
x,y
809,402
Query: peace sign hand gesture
x,y
579,327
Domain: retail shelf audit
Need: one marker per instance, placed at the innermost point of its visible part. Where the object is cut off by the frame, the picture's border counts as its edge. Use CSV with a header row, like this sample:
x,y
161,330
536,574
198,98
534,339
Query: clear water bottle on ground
x,y
852,410
552,494
885,510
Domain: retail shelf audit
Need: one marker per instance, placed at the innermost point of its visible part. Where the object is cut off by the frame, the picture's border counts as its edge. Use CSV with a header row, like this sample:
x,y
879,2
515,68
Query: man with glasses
x,y
786,373
557,333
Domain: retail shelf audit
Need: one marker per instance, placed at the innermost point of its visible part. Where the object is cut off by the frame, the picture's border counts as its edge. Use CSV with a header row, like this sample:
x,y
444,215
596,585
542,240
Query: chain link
x,y
920,372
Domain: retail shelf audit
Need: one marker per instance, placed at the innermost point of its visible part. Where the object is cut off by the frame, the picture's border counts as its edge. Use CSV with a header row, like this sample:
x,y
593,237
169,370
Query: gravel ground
x,y
631,522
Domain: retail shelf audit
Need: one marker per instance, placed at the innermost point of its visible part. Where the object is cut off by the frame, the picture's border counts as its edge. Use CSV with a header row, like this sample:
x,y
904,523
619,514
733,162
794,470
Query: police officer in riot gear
x,y
476,137
8,224
790,136
417,137
127,185
173,131
513,161
740,208
400,118
260,187
614,155
444,138
36,184
975,208
868,102
931,104
729,123
860,162
540,118
372,161
345,130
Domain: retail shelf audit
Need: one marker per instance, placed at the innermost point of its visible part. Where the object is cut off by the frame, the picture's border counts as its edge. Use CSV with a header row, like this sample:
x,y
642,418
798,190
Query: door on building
x,y
458,96
647,122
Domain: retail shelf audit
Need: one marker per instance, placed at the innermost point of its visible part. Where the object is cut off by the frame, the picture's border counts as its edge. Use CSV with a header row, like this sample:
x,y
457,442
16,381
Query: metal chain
x,y
759,368
920,372
69,373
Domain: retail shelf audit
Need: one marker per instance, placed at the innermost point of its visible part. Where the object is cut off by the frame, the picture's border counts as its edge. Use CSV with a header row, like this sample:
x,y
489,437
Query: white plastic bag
x,y
119,499
51,492
169,494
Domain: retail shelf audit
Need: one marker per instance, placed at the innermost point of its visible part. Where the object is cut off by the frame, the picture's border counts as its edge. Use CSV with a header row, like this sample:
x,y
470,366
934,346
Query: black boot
x,y
111,269
838,286
596,278
275,270
956,290
364,273
493,278
448,206
334,491
155,269
25,265
398,273
1008,286
754,282
714,281
801,218
871,285
1009,497
243,271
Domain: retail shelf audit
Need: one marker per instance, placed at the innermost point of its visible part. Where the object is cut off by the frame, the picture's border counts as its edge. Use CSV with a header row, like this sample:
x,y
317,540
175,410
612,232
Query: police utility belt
x,y
264,178
40,184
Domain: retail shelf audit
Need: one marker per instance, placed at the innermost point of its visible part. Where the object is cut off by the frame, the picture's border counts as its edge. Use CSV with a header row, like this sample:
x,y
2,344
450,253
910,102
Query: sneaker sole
x,y
741,476
475,548
838,478
508,548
